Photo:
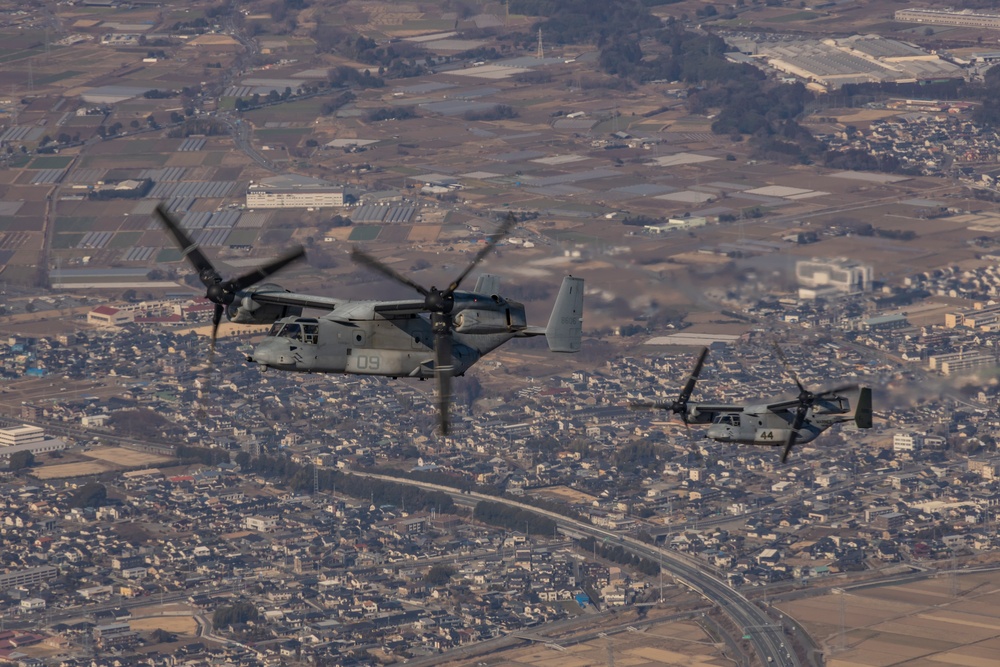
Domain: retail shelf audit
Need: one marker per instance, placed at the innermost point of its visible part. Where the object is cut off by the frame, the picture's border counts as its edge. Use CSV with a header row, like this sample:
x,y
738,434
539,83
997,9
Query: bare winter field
x,y
127,458
79,469
946,620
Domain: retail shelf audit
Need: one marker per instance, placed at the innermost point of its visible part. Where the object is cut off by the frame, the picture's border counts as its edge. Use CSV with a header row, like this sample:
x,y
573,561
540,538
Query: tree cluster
x,y
20,461
344,76
513,518
91,494
498,112
209,456
640,454
640,220
616,553
199,126
391,113
866,229
141,423
299,478
394,60
439,575
579,21
236,614
330,107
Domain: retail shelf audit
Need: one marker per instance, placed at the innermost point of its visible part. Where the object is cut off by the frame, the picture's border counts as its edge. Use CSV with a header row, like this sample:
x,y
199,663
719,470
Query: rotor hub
x,y
439,302
218,293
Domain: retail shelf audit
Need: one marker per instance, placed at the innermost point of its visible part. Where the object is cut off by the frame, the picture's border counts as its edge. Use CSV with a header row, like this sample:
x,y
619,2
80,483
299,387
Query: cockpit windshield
x,y
728,420
304,332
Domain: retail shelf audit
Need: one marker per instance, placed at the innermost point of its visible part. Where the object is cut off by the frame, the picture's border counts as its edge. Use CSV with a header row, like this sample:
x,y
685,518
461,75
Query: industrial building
x,y
828,64
294,191
960,362
27,439
964,18
21,435
833,277
27,577
109,316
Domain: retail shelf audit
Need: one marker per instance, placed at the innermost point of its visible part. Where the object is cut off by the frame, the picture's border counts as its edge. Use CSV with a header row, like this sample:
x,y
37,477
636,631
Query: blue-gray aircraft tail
x,y
565,327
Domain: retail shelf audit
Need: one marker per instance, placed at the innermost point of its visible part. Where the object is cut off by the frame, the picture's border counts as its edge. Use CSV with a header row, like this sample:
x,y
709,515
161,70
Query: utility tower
x,y
540,53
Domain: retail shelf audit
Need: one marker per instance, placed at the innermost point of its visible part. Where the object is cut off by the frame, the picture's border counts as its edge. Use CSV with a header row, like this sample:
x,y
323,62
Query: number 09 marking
x,y
368,362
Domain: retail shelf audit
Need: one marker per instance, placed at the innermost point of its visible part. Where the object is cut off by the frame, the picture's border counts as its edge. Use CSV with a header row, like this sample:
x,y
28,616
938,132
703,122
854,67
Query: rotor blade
x,y
788,447
498,236
800,418
361,257
189,248
216,318
837,390
692,378
269,269
650,405
443,367
787,368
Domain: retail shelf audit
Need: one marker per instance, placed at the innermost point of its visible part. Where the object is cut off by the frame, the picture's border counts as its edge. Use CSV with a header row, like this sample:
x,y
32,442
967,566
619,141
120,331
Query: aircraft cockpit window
x,y
291,330
728,420
275,329
310,333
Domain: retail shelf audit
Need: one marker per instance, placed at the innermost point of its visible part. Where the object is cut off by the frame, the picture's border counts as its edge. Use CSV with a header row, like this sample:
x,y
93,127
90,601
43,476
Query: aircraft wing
x,y
342,309
782,405
792,403
717,407
283,298
408,307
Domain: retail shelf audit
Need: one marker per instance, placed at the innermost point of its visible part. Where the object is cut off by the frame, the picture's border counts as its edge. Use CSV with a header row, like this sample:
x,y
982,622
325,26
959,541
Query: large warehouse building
x,y
964,18
27,439
294,191
819,277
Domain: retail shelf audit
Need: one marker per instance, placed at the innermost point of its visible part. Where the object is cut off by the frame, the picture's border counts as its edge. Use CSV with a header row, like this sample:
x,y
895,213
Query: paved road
x,y
765,634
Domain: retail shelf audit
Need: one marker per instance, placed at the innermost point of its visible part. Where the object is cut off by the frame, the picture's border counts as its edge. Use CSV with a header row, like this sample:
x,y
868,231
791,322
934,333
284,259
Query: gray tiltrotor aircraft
x,y
783,423
440,335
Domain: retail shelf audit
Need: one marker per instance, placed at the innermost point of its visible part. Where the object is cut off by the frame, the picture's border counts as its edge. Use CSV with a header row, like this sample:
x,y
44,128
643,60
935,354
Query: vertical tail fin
x,y
863,410
487,284
565,327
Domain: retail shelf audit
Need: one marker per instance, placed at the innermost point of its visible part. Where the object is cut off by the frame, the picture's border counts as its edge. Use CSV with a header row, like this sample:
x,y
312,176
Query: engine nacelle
x,y
248,311
477,321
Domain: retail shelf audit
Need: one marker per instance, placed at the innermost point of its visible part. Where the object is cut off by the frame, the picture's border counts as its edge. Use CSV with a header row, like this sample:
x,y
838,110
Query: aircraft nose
x,y
272,353
716,432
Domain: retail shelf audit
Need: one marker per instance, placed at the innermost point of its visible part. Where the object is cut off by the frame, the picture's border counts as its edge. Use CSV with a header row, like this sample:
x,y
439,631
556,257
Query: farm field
x,y
950,620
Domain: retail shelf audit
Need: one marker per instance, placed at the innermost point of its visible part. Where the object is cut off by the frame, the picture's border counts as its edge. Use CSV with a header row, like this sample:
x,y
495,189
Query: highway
x,y
766,636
